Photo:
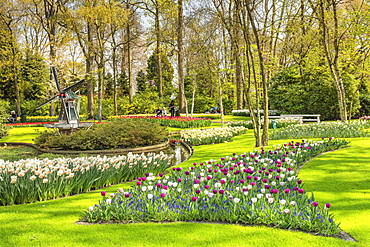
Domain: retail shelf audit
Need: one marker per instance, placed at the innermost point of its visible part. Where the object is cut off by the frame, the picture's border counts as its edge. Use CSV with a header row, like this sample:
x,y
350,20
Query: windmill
x,y
69,119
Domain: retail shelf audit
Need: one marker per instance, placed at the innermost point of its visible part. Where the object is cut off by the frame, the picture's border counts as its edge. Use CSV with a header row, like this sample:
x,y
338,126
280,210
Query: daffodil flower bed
x,y
175,122
325,129
260,187
33,180
212,135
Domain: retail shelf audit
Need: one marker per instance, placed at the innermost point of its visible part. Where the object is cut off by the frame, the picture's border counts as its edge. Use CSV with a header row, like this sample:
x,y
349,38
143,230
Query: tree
x,y
166,68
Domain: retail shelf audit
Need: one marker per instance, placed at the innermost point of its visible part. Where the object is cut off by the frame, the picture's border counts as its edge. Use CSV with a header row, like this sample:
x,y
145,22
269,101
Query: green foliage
x,y
122,133
310,93
167,72
34,75
3,116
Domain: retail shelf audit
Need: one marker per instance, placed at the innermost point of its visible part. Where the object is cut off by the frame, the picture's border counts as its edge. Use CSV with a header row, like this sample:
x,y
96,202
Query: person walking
x,y
172,108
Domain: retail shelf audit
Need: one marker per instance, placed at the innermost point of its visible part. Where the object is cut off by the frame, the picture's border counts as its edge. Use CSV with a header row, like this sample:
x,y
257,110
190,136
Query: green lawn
x,y
339,177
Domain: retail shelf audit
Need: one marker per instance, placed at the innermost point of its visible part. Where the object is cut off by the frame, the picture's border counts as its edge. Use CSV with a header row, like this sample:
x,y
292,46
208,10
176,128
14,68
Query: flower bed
x,y
260,187
30,124
325,129
33,180
176,122
211,136
280,123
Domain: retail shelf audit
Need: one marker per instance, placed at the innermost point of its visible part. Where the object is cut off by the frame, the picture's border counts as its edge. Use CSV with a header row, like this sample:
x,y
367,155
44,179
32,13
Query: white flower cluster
x,y
212,135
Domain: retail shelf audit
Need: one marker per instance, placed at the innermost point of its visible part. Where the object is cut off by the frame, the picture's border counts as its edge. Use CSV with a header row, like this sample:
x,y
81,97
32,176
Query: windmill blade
x,y
54,72
74,85
50,100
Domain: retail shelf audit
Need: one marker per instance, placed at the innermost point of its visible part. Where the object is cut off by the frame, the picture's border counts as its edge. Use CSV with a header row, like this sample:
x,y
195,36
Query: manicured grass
x,y
22,134
339,177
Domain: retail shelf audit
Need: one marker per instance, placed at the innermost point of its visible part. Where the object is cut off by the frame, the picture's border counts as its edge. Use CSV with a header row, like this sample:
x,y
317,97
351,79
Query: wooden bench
x,y
301,117
306,117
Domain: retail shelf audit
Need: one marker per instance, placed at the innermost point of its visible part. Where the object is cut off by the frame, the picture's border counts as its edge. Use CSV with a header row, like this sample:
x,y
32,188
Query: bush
x,y
122,133
3,115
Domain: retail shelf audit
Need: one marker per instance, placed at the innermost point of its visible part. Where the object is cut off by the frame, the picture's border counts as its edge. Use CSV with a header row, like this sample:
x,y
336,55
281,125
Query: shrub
x,y
175,122
122,133
3,115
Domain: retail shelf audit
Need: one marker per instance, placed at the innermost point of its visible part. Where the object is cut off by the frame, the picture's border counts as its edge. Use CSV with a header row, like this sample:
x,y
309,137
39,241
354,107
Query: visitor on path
x,y
13,117
172,108
214,109
159,111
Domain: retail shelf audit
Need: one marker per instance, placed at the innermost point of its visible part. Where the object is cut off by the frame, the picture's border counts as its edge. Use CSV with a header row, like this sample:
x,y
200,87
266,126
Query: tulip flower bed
x,y
325,129
211,136
175,122
260,187
33,180
30,124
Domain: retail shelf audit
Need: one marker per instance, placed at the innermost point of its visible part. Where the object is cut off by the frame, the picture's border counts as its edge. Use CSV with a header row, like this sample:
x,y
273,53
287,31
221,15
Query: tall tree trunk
x,y
264,141
114,61
88,66
180,55
158,50
331,50
237,56
129,62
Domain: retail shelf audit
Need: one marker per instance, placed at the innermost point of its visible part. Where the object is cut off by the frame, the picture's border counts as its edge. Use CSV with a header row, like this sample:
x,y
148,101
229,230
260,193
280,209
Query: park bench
x,y
301,117
306,117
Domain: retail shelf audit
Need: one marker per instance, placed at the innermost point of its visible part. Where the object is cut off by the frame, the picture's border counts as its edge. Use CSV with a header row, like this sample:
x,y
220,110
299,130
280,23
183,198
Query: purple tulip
x,y
127,195
249,177
179,180
274,191
196,181
214,192
165,187
241,181
138,183
194,198
147,174
197,191
327,206
267,186
163,194
315,204
103,193
221,192
265,180
299,181
287,191
300,191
